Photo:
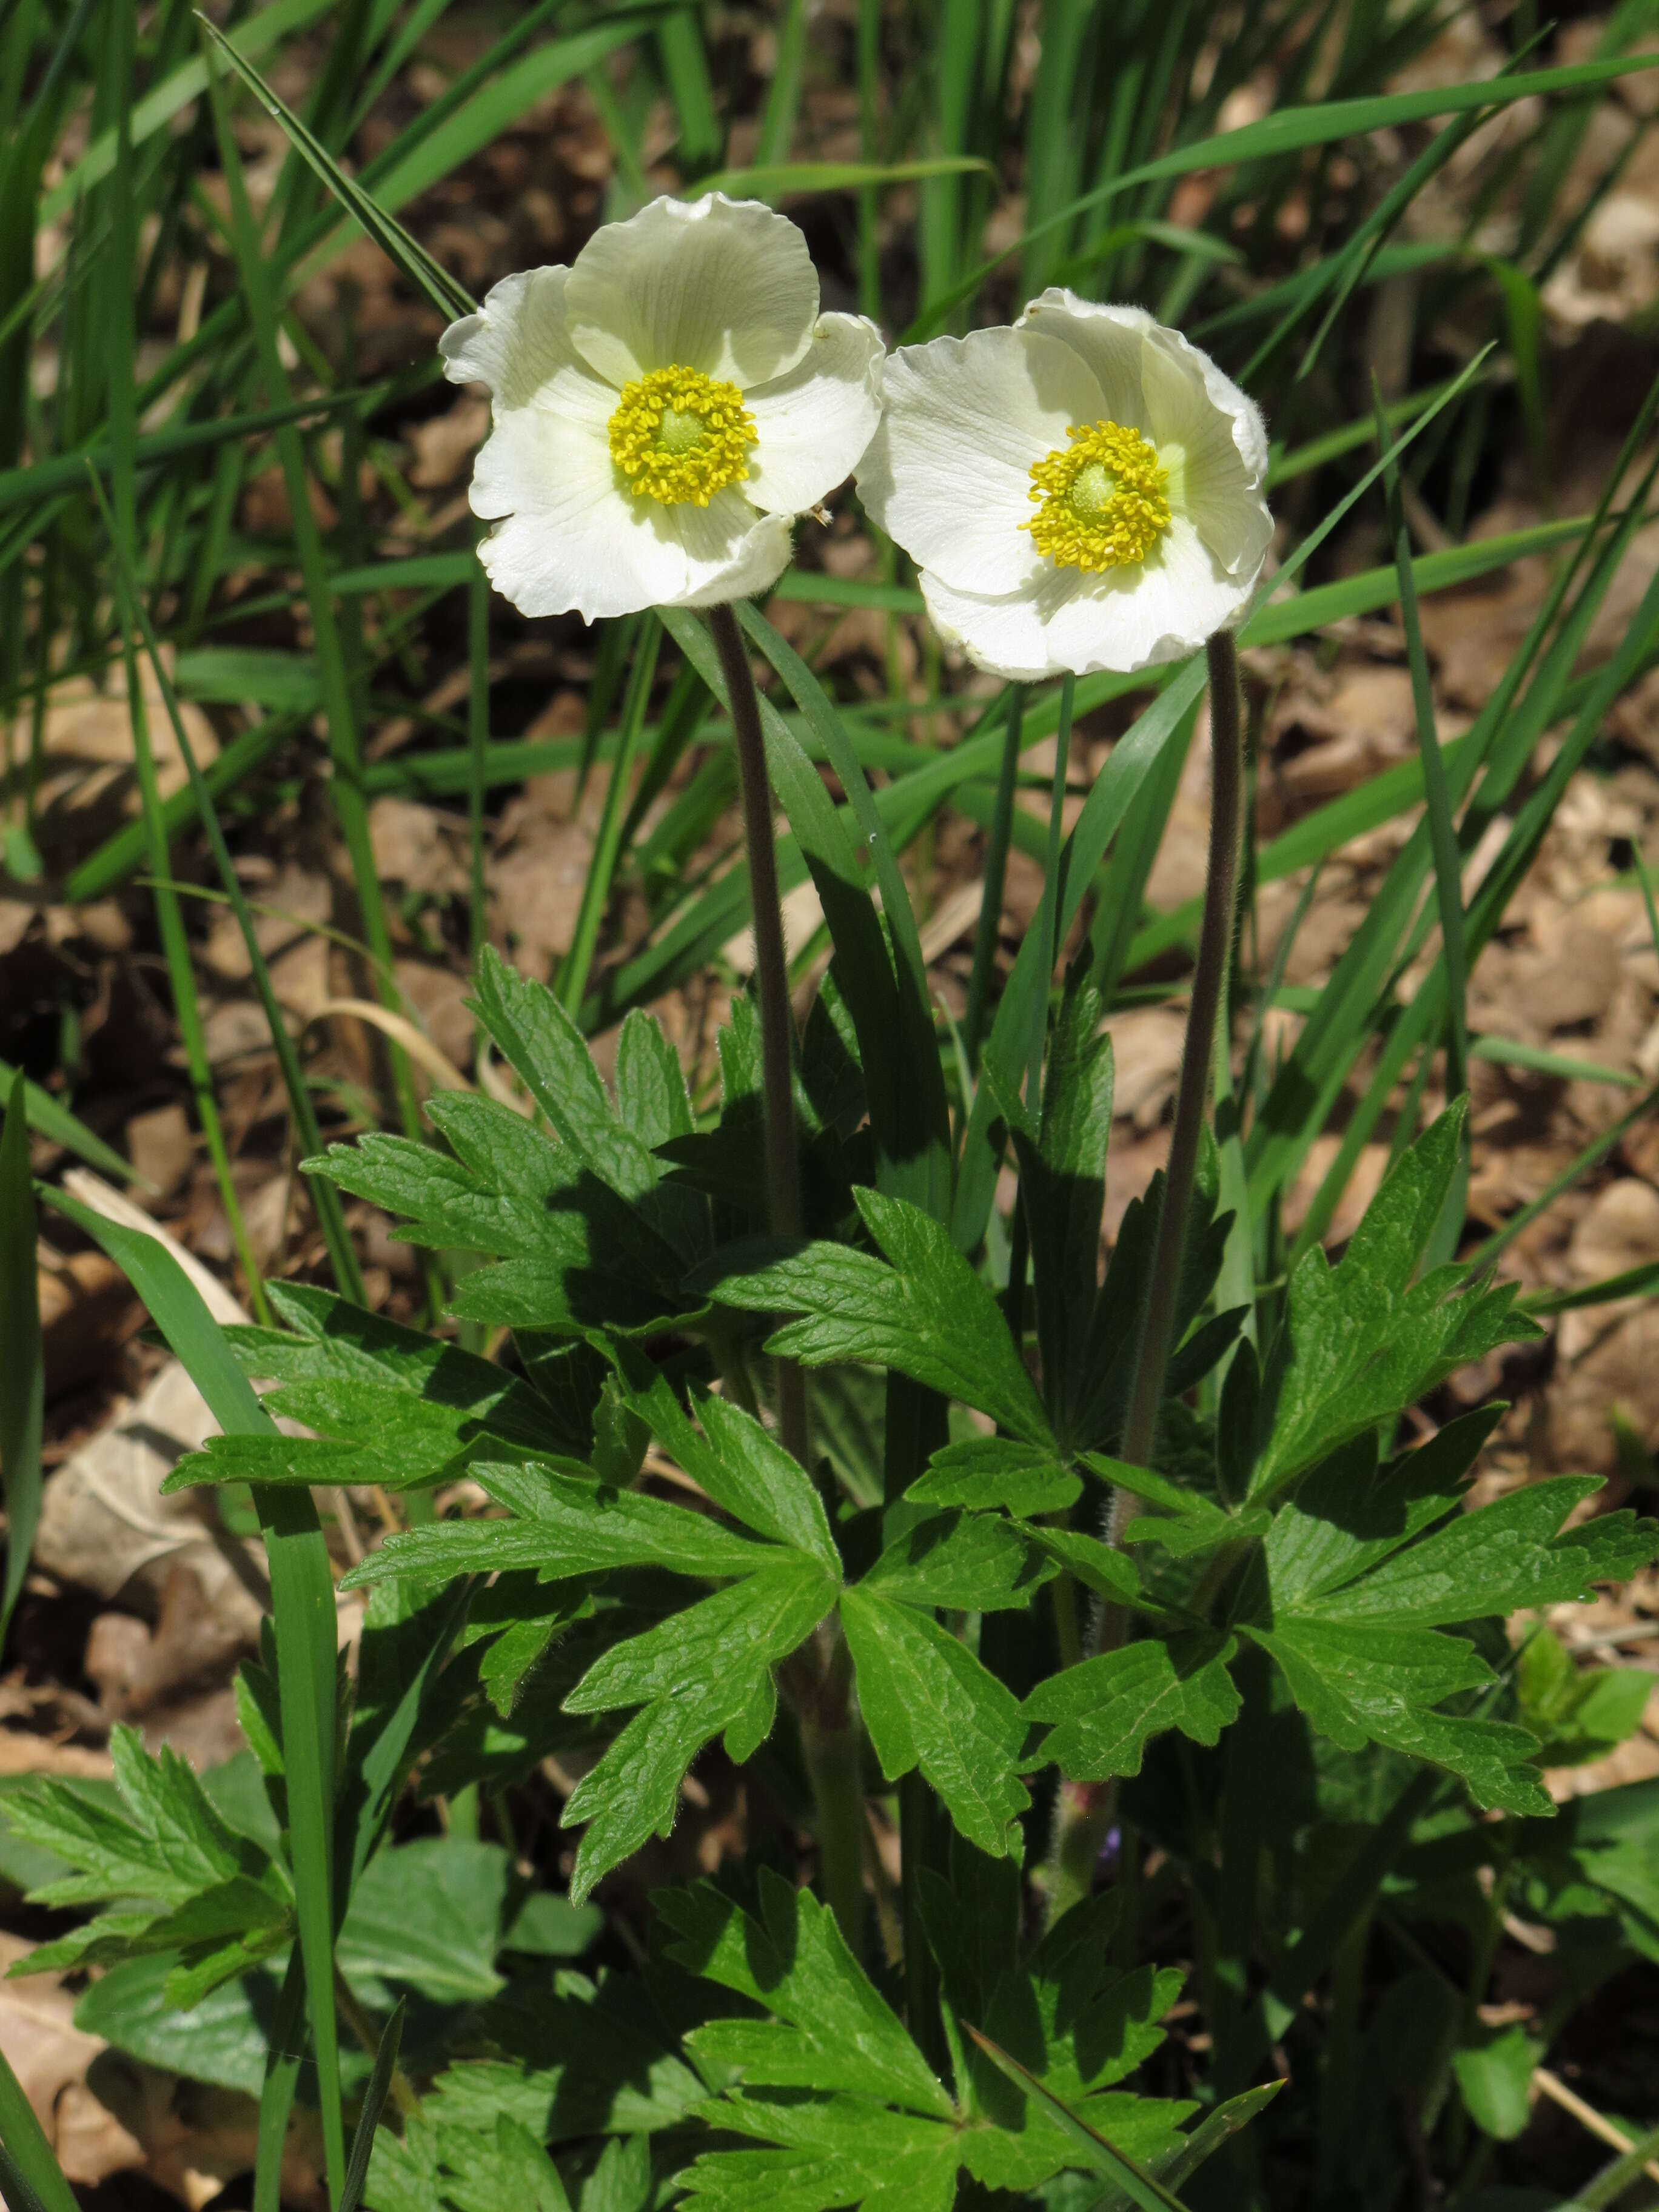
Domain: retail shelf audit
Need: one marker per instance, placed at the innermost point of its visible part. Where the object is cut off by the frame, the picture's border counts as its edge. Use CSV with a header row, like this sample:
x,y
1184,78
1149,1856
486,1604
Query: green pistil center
x,y
1092,488
678,433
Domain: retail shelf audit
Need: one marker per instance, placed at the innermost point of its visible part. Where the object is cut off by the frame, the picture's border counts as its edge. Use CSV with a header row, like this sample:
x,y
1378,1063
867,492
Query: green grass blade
x,y
777,121
428,276
996,877
1443,835
339,708
284,2056
607,844
925,1145
1036,1035
374,2097
258,34
22,1373
302,1602
685,65
50,1119
120,517
782,180
1290,131
31,2179
331,1213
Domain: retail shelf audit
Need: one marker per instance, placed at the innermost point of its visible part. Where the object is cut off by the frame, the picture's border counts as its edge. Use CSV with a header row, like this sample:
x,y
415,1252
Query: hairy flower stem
x,y
1083,1811
777,1025
818,1678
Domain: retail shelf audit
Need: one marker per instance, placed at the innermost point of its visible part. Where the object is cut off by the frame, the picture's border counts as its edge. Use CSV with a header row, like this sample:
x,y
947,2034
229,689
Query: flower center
x,y
1101,501
681,436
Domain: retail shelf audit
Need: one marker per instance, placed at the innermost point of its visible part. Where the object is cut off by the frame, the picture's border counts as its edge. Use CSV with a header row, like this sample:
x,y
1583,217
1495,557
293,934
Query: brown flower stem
x,y
1083,1812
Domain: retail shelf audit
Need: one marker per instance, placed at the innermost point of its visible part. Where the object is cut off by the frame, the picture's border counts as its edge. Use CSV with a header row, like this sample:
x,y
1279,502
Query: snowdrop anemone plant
x,y
661,410
1081,491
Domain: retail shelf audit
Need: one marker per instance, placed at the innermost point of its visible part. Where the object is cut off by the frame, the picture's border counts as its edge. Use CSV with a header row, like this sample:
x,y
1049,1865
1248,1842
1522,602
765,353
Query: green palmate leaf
x,y
575,1252
983,1472
575,2060
1361,1340
225,2039
922,1311
1577,1716
651,1095
966,1562
428,1915
1071,2021
422,1403
1362,1683
1184,1522
566,1523
848,2112
831,2031
1367,1563
1101,1715
696,1675
539,1039
1103,2157
187,1882
1102,1568
1494,2078
929,1701
739,1464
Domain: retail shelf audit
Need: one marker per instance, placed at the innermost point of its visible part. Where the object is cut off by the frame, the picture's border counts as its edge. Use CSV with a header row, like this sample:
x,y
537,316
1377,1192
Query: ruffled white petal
x,y
1123,619
724,286
948,473
1007,634
814,424
1140,618
519,345
1212,439
1111,340
569,540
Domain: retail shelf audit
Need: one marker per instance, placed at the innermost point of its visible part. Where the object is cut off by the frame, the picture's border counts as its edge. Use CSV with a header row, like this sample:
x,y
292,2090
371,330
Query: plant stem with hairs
x,y
818,1678
1083,1811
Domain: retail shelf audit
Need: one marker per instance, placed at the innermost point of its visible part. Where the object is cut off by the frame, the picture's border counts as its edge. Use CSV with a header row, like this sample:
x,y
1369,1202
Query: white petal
x,y
1110,339
731,553
1007,634
567,539
1161,610
519,345
815,423
1123,619
1223,462
948,473
724,286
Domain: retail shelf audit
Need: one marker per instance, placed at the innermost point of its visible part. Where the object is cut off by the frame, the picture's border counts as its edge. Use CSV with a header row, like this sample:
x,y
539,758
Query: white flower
x,y
662,410
1082,491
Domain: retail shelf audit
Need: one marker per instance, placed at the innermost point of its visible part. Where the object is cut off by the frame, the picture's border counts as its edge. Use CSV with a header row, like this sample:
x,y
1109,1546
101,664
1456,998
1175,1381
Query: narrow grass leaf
x,y
31,2179
302,1602
374,2097
22,1374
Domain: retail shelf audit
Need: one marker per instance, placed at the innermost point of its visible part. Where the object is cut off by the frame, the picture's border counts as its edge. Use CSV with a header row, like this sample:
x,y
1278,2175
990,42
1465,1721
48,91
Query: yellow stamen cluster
x,y
1102,502
681,436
